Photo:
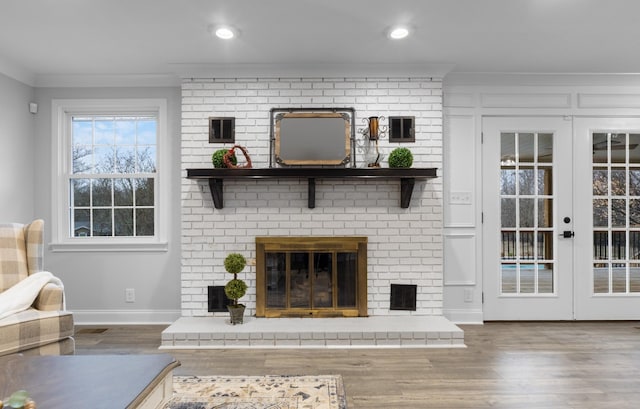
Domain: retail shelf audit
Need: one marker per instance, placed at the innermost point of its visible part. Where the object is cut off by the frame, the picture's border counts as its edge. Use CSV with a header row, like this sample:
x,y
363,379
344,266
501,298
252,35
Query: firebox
x,y
311,276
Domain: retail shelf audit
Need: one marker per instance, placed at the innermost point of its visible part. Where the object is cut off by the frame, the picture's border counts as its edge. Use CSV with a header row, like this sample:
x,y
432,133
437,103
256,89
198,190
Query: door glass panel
x,y
545,181
526,180
634,213
619,278
527,212
600,148
526,245
508,212
527,215
322,280
300,283
634,148
545,212
634,277
527,279
508,181
600,212
618,182
509,278
545,278
618,245
634,182
545,148
347,274
601,278
600,181
601,245
545,245
616,210
508,148
508,245
634,245
526,147
276,280
617,146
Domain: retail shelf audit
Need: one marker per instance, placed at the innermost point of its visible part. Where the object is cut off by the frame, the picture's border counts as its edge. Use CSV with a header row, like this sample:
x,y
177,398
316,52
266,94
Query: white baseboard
x,y
459,316
125,317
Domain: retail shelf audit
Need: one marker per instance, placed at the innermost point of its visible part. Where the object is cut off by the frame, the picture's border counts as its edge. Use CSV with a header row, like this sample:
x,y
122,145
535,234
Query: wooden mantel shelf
x,y
407,177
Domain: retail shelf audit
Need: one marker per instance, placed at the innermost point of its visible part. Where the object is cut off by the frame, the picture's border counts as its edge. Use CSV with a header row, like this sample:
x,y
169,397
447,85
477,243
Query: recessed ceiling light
x,y
397,33
225,33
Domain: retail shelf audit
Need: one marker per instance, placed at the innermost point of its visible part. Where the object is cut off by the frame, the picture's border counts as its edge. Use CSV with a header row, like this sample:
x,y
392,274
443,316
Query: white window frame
x,y
61,113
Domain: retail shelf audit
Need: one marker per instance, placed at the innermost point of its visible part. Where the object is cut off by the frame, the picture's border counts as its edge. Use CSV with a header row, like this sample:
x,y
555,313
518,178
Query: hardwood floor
x,y
505,365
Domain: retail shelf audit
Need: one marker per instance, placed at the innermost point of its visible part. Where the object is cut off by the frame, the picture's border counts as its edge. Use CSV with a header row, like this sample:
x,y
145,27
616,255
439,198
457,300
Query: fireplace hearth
x,y
311,276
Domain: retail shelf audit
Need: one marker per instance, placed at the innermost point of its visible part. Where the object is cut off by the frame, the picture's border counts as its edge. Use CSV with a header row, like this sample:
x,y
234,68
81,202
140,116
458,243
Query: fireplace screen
x,y
311,276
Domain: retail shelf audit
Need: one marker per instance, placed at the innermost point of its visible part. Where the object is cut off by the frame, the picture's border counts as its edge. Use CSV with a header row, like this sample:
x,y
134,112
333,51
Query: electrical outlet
x,y
130,295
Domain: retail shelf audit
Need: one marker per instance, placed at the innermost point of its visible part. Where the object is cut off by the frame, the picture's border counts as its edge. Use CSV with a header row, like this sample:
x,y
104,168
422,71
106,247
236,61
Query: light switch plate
x,y
460,198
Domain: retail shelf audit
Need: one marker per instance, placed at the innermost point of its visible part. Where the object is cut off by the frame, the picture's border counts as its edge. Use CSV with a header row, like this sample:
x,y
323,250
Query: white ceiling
x,y
45,40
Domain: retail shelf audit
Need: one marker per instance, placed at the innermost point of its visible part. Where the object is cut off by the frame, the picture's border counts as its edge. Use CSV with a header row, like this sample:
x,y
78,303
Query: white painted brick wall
x,y
405,245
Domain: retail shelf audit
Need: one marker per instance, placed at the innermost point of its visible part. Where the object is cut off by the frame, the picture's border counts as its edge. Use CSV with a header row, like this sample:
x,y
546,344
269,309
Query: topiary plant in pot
x,y
236,288
218,158
400,158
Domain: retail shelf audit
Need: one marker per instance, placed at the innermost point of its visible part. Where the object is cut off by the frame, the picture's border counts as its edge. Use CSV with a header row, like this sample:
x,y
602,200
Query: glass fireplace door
x,y
308,283
323,278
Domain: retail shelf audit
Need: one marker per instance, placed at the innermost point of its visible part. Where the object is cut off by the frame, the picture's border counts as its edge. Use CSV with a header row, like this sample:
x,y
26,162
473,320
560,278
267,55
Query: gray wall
x,y
95,282
17,143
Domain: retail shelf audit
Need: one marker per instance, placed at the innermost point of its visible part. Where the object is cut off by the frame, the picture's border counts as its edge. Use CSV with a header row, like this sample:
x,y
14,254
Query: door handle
x,y
567,234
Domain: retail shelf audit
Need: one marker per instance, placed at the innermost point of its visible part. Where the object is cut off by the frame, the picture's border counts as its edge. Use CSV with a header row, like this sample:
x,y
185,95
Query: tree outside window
x,y
113,174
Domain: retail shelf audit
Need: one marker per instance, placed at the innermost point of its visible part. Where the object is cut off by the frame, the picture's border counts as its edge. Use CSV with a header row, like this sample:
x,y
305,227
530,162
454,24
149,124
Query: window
x,y
108,178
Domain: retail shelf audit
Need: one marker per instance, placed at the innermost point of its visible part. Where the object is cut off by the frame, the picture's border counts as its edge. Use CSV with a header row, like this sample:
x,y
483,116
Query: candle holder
x,y
368,144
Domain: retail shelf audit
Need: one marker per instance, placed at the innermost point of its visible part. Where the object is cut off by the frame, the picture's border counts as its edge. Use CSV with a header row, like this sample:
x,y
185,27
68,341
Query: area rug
x,y
258,392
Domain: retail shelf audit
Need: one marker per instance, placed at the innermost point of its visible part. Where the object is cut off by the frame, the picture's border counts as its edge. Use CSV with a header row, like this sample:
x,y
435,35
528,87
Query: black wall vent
x,y
403,297
217,299
402,129
222,130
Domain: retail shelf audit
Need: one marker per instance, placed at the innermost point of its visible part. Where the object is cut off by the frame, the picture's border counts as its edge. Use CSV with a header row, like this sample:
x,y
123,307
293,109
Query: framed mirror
x,y
312,136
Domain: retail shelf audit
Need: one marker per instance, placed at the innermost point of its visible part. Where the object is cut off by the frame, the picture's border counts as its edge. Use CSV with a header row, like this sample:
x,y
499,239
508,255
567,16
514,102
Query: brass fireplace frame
x,y
288,244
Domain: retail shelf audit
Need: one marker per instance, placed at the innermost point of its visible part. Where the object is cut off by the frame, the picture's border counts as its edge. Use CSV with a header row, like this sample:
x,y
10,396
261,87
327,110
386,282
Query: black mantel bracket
x,y
407,178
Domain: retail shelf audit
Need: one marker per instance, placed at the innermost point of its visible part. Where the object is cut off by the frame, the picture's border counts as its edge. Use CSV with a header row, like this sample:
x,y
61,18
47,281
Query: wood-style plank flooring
x,y
505,365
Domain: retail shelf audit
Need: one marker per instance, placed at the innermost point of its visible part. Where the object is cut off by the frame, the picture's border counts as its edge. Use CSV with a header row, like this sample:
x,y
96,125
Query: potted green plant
x,y
236,288
218,158
400,158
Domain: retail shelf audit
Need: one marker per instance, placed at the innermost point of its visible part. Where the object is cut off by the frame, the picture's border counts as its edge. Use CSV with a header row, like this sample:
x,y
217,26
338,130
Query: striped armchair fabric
x,y
45,328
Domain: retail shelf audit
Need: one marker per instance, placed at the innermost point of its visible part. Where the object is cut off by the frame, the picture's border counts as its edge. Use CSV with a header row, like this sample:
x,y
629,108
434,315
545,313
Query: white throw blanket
x,y
22,295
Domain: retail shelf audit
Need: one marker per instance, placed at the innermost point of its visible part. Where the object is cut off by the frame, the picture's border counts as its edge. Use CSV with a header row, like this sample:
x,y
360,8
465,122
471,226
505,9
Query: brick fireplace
x,y
404,244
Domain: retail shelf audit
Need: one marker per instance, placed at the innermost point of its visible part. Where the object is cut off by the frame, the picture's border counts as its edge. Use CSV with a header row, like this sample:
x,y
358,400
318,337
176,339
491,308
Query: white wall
x,y
405,245
17,152
95,282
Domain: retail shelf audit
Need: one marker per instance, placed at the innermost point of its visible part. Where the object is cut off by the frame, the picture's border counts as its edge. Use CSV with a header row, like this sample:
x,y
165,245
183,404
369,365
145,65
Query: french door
x,y
607,266
561,208
527,205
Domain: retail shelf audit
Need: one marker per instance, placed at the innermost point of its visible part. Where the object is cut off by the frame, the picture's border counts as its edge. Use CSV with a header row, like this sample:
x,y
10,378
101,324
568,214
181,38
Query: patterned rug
x,y
258,392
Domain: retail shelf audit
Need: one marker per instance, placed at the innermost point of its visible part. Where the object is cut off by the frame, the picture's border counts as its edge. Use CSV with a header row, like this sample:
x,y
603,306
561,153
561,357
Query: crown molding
x,y
541,79
125,80
17,72
321,70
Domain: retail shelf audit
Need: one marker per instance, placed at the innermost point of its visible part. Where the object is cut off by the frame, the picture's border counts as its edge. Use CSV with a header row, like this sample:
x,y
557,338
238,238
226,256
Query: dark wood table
x,y
90,381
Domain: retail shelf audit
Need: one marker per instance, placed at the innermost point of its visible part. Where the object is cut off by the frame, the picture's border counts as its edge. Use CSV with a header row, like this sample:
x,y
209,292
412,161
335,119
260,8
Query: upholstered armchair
x,y
33,318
